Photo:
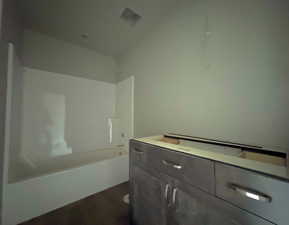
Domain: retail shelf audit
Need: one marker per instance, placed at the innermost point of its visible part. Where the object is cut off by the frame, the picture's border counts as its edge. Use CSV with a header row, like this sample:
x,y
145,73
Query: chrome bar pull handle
x,y
174,196
167,191
172,164
249,193
138,151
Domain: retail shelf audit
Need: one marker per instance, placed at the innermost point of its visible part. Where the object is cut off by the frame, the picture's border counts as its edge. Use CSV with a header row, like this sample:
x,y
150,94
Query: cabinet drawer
x,y
192,170
223,213
139,153
262,195
193,206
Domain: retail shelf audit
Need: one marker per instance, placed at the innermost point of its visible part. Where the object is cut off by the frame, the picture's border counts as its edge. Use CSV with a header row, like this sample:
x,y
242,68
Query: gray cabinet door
x,y
187,207
147,198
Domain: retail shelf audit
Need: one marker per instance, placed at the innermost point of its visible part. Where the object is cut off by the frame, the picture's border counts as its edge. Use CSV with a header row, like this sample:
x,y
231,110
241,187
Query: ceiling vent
x,y
130,16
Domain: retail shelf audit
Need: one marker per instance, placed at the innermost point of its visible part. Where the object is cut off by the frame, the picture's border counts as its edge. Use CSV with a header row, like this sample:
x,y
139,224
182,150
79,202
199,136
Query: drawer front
x,y
262,195
223,213
139,153
192,170
193,206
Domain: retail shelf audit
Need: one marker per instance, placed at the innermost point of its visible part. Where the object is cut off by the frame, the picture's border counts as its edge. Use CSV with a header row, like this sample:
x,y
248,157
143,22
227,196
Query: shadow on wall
x,y
45,138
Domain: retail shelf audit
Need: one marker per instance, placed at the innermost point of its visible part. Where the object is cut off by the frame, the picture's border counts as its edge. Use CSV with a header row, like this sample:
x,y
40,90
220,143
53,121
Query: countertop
x,y
280,172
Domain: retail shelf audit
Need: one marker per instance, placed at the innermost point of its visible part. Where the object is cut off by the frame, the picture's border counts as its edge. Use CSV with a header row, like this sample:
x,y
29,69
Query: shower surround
x,y
71,140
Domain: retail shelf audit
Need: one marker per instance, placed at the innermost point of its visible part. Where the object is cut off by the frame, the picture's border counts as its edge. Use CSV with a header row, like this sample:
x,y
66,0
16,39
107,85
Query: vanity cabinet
x,y
162,196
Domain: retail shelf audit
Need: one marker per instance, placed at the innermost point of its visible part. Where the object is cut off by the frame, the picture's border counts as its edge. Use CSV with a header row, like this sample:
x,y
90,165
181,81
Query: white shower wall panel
x,y
63,113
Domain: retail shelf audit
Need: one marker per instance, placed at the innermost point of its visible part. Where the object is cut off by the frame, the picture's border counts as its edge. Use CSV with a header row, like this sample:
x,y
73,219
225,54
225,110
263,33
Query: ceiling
x,y
99,20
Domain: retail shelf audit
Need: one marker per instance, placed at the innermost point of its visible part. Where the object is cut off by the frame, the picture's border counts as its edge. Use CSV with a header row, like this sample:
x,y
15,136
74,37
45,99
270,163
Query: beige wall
x,y
46,53
216,69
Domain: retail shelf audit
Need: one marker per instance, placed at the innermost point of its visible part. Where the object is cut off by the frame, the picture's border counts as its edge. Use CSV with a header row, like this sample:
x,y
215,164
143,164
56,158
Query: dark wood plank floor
x,y
104,208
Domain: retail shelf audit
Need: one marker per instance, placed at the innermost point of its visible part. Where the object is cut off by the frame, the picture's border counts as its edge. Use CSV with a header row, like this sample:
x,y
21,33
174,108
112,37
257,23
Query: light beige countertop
x,y
264,168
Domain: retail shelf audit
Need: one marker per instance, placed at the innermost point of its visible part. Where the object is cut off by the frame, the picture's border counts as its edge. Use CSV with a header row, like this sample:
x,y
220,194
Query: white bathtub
x,y
29,167
63,181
